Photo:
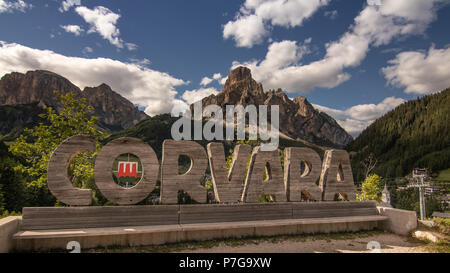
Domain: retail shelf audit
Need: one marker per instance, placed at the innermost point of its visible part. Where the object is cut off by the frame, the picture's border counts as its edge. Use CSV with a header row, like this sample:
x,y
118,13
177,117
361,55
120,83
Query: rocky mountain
x,y
114,111
298,118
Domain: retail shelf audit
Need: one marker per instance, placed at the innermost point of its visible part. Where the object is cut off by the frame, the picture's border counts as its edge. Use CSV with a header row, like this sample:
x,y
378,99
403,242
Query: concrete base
x,y
106,226
8,227
401,222
157,235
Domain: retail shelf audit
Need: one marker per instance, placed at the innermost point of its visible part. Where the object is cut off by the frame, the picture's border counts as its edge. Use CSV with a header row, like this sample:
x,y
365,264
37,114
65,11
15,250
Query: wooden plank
x,y
58,182
228,187
110,216
235,212
255,185
188,182
83,217
296,182
336,176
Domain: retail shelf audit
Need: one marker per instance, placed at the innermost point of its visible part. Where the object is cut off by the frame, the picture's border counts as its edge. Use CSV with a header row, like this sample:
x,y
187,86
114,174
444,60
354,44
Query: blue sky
x,y
352,60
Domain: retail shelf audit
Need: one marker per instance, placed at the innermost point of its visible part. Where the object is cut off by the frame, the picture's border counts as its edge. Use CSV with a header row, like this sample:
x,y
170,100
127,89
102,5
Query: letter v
x,y
228,186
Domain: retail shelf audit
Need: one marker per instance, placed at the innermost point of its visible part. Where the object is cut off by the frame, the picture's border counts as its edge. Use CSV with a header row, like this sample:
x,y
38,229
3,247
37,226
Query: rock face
x,y
114,111
298,118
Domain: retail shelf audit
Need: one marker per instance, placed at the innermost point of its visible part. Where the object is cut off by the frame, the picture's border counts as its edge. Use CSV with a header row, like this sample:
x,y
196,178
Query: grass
x,y
441,247
444,175
234,242
442,226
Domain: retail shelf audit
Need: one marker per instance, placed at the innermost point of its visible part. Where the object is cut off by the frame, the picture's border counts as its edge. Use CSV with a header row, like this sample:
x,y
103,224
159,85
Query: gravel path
x,y
390,243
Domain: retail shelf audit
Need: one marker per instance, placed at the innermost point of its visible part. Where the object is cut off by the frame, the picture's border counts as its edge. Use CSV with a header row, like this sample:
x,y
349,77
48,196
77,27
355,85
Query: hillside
x,y
15,118
37,87
415,134
153,130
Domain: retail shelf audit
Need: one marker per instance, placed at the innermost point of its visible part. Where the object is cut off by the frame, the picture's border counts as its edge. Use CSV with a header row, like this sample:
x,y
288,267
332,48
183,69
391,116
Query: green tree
x,y
2,200
414,135
12,183
370,189
36,145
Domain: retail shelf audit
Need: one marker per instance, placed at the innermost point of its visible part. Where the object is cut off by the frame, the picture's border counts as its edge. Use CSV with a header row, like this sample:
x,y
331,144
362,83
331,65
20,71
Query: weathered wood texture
x,y
58,182
255,185
189,181
103,170
295,182
306,210
190,214
52,218
337,176
93,217
228,187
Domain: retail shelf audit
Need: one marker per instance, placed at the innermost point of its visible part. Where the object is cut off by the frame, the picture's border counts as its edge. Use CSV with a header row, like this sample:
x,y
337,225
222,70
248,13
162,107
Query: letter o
x,y
103,170
58,182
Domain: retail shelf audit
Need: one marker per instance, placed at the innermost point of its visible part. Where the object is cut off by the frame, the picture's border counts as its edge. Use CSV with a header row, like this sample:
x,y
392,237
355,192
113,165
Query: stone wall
x,y
8,227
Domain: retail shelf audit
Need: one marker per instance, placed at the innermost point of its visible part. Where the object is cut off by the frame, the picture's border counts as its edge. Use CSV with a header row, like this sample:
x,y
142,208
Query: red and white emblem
x,y
127,169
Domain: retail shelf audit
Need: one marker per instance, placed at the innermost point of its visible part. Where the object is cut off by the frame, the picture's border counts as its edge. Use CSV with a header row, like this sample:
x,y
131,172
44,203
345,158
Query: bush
x,y
7,213
443,225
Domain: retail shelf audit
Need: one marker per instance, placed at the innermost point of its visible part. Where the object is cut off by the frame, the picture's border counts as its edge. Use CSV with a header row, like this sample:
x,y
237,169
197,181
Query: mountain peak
x,y
240,73
298,118
241,83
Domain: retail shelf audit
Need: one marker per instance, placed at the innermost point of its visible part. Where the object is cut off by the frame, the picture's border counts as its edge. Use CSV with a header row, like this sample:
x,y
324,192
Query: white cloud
x,y
131,46
87,50
223,80
246,31
11,6
374,26
179,108
195,95
140,62
143,86
420,72
189,97
77,30
256,17
215,77
103,21
67,4
205,81
332,14
356,118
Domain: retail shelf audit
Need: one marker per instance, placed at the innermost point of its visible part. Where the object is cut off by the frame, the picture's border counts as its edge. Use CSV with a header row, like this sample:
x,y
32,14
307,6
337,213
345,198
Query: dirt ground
x,y
389,243
358,242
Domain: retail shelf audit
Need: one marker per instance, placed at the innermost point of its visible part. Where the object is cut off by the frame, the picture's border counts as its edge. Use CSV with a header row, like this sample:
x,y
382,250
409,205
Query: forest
x,y
413,135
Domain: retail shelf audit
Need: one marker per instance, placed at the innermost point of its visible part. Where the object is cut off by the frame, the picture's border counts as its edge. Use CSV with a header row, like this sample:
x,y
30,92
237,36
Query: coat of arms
x,y
127,170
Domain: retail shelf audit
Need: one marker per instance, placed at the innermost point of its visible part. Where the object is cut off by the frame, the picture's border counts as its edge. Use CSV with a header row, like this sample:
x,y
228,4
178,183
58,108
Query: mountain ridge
x,y
114,111
298,118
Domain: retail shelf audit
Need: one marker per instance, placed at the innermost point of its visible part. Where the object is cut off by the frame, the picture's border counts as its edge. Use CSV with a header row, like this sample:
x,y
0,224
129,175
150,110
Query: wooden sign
x,y
250,175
